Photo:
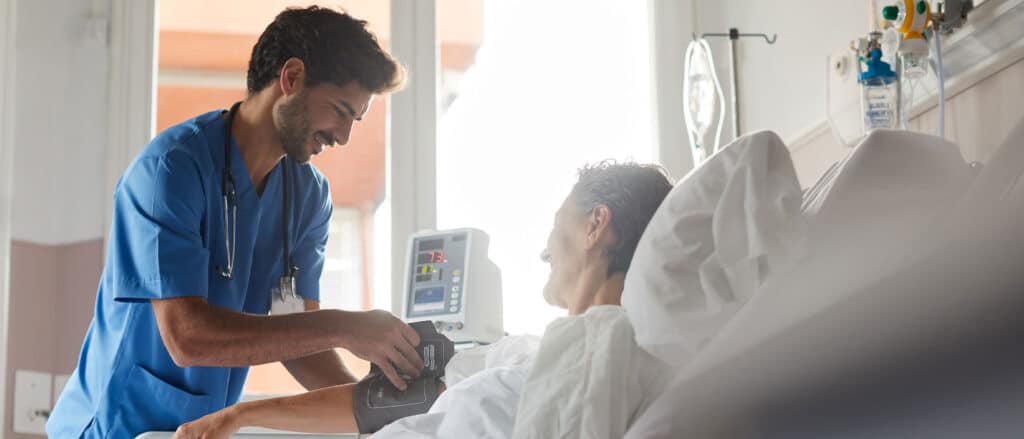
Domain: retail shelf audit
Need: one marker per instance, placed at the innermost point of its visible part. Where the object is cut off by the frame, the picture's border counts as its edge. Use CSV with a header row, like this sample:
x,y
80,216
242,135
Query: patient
x,y
588,377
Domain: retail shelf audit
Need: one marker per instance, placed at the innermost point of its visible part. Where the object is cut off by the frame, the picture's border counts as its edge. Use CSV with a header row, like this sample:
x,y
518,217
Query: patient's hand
x,y
217,425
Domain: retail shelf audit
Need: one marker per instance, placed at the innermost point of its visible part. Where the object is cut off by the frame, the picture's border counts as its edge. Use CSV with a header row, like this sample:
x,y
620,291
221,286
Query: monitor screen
x,y
428,299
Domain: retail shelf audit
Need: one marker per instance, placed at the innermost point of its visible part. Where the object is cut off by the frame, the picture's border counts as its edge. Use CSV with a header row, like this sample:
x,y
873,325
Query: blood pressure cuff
x,y
376,402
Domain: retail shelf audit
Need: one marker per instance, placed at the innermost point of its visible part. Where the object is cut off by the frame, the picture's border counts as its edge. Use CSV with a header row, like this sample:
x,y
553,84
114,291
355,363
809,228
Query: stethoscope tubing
x,y
229,195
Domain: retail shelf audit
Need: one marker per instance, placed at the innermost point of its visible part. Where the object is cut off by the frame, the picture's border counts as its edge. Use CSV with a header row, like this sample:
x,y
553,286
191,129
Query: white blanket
x,y
587,379
484,385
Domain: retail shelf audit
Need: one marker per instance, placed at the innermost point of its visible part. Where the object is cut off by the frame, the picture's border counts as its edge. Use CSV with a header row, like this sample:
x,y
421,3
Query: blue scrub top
x,y
166,238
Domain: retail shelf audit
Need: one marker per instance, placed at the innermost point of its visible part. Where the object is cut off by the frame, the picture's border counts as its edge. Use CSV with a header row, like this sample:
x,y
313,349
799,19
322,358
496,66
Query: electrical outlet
x,y
32,391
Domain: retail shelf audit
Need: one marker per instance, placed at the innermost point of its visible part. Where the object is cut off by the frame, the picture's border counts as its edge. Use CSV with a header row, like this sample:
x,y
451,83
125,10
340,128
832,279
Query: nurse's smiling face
x,y
313,118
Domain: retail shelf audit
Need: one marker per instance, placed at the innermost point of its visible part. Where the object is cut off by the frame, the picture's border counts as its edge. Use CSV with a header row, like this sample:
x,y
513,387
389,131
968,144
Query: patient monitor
x,y
450,280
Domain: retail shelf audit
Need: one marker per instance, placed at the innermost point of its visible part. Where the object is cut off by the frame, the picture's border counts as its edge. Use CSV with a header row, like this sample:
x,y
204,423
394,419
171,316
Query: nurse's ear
x,y
292,77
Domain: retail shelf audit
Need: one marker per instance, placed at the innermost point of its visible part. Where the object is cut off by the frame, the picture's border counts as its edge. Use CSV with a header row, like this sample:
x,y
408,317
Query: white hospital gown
x,y
590,379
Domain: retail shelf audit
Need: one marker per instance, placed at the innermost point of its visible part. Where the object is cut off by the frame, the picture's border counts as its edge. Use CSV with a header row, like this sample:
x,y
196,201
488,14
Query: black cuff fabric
x,y
376,402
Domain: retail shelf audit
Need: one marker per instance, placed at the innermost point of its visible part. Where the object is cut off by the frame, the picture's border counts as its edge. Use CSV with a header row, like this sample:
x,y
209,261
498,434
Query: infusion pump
x,y
450,280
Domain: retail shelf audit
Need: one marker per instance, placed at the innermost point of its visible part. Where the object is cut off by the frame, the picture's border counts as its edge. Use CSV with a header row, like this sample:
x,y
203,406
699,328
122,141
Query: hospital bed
x,y
925,343
259,434
900,329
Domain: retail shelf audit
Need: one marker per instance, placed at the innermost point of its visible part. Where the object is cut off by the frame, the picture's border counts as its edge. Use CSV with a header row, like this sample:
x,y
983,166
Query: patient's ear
x,y
599,227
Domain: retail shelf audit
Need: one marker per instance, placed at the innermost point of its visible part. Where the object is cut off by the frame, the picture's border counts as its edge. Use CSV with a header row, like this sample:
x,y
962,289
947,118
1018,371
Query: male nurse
x,y
204,221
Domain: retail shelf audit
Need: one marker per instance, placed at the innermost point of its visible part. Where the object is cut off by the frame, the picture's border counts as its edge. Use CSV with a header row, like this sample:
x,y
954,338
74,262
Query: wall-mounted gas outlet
x,y
32,392
844,95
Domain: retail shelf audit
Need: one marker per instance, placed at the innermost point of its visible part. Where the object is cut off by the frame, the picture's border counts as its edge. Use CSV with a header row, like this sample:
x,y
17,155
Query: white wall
x,y
61,118
979,119
782,86
59,113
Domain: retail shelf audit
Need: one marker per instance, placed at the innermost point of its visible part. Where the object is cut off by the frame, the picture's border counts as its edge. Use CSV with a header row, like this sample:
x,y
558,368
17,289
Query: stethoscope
x,y
229,195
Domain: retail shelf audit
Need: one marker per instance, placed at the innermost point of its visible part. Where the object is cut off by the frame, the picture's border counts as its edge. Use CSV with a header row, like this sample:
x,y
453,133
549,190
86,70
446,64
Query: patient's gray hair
x,y
632,192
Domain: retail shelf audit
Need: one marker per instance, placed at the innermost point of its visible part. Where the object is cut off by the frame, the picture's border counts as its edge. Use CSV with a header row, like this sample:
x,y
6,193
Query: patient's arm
x,y
331,409
327,410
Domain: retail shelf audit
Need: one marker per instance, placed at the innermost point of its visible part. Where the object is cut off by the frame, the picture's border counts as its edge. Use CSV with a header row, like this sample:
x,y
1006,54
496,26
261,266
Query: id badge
x,y
284,300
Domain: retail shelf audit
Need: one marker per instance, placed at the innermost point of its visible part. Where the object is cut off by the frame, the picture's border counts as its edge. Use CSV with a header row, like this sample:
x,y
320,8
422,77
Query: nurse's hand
x,y
382,339
217,425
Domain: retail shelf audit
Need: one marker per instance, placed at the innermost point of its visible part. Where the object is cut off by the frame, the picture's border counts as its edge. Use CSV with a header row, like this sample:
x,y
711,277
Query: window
x,y
552,86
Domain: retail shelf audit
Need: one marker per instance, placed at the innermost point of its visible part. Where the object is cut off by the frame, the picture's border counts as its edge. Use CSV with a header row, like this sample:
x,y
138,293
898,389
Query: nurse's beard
x,y
293,128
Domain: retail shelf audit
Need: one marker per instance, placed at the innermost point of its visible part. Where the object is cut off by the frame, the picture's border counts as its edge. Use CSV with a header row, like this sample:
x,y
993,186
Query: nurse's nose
x,y
545,256
343,133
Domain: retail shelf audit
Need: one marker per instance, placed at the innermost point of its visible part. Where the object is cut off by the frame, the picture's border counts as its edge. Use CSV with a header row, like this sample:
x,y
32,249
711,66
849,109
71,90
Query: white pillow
x,y
888,188
719,233
865,220
860,214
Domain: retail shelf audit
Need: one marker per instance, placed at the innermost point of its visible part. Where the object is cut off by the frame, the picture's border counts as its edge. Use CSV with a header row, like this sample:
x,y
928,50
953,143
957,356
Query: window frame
x,y
7,55
411,146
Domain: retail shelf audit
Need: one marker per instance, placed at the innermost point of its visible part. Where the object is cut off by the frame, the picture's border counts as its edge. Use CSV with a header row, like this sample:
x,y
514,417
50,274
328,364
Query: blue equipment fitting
x,y
878,71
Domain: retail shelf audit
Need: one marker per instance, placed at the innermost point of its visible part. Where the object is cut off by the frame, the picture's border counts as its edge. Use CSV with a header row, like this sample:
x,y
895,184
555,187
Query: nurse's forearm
x,y
320,370
327,410
199,334
324,369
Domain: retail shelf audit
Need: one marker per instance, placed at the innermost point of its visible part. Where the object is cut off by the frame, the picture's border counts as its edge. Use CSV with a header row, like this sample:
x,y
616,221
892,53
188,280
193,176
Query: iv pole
x,y
733,35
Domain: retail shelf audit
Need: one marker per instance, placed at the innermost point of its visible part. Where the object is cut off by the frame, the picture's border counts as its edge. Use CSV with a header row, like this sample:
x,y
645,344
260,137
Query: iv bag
x,y
700,90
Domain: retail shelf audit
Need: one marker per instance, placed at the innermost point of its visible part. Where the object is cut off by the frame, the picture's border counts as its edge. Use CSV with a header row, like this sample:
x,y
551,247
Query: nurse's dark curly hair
x,y
334,46
632,193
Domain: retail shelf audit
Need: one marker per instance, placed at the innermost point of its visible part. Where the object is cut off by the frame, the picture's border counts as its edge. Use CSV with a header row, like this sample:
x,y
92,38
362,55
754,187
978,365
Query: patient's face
x,y
564,252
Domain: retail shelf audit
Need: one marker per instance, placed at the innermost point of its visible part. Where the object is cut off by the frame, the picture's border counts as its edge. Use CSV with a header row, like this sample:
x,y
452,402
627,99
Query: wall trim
x,y
808,136
132,81
8,29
